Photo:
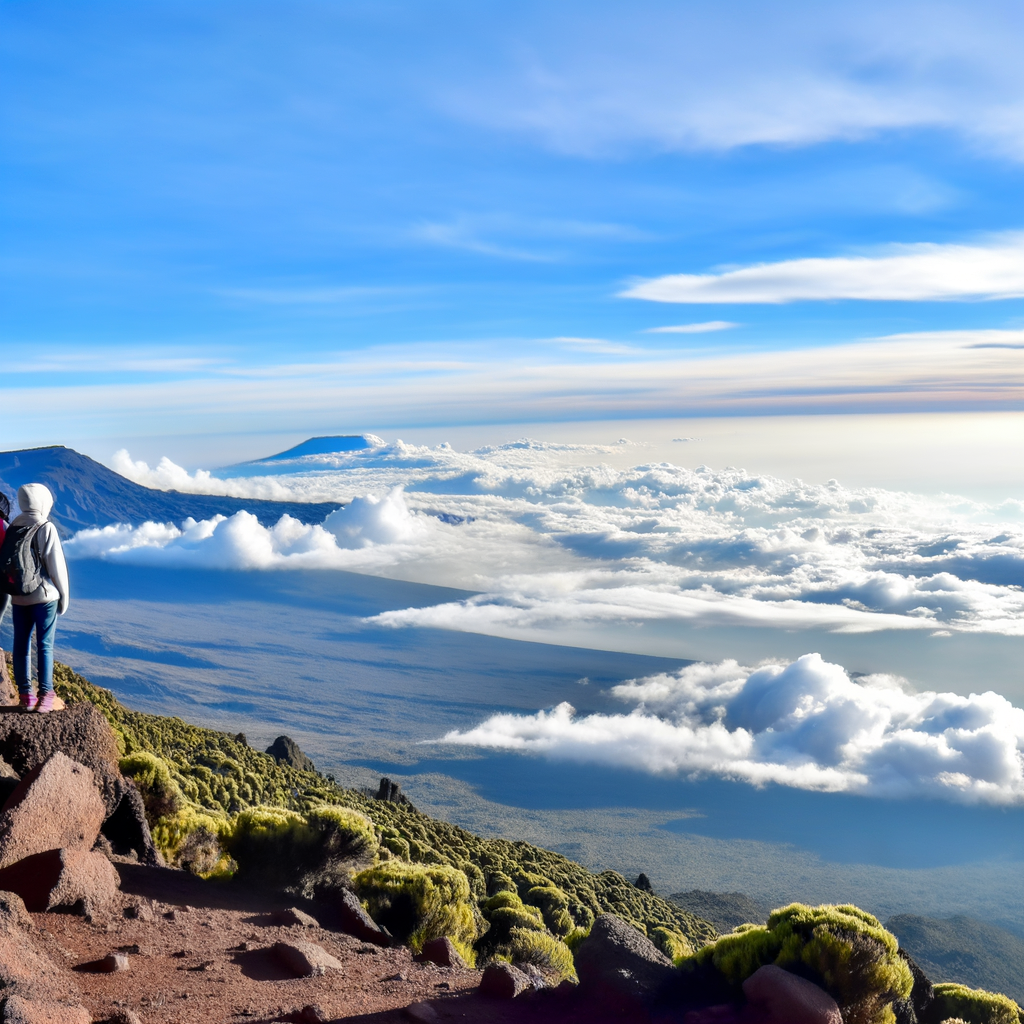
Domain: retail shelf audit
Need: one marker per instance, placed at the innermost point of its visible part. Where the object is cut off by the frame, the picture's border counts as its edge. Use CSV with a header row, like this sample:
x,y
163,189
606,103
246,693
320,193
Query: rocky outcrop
x,y
80,732
391,792
55,806
619,962
63,879
285,750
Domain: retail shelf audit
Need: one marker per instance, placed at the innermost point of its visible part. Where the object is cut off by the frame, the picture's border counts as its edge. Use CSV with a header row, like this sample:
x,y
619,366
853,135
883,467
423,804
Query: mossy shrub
x,y
203,855
271,844
842,948
501,899
172,832
152,775
498,881
417,902
345,835
540,948
973,1005
554,905
674,945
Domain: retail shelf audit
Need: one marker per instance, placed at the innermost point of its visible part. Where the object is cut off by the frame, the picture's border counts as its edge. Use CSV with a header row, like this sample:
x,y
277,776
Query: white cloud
x,y
901,273
806,724
553,541
704,328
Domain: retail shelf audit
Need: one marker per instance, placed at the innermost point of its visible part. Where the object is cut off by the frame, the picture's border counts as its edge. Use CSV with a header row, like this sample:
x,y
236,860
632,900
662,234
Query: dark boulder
x,y
618,962
285,750
643,883
127,829
356,921
503,981
919,1006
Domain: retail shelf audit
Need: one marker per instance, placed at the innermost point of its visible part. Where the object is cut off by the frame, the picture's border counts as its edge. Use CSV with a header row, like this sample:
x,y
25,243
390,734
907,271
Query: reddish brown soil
x,y
205,957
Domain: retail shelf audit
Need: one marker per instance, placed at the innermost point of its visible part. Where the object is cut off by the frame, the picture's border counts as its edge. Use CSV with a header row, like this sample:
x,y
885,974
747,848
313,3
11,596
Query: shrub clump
x,y
841,948
276,846
973,1005
418,902
152,776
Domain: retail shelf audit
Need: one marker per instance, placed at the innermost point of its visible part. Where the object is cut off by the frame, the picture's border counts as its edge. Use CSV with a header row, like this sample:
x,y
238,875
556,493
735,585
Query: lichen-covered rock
x,y
618,960
63,879
56,805
306,959
80,732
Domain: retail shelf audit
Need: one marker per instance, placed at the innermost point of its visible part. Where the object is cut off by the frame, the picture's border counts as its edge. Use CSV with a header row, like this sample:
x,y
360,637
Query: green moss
x,y
974,1005
420,902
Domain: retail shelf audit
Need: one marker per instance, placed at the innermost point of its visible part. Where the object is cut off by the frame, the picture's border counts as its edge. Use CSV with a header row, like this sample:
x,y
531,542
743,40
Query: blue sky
x,y
315,217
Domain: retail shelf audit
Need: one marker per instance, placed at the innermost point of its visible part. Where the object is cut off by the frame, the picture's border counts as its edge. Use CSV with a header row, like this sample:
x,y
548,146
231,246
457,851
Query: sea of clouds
x,y
551,536
806,724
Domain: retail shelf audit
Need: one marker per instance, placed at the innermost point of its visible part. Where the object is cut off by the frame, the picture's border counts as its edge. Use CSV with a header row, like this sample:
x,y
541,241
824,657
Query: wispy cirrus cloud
x,y
708,327
907,273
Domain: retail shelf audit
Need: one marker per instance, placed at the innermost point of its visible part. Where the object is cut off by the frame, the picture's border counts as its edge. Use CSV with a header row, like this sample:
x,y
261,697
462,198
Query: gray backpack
x,y
21,568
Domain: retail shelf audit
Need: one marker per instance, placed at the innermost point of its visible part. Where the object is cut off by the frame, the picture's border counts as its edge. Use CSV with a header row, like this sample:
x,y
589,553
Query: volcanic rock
x,y
356,921
306,959
286,751
294,916
127,829
619,961
787,999
442,952
80,732
24,971
63,878
503,981
56,805
422,1012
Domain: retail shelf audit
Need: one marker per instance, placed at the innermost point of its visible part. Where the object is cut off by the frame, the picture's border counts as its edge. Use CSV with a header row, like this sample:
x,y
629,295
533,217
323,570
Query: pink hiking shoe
x,y
28,701
45,703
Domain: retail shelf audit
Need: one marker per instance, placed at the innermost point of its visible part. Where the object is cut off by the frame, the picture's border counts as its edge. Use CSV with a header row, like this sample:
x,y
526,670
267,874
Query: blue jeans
x,y
43,619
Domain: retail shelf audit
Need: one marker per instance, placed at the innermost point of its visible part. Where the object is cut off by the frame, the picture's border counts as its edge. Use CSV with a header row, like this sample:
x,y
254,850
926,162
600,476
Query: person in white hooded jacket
x,y
39,610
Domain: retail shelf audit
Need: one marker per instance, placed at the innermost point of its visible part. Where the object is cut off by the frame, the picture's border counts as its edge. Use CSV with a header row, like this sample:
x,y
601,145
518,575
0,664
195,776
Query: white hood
x,y
36,500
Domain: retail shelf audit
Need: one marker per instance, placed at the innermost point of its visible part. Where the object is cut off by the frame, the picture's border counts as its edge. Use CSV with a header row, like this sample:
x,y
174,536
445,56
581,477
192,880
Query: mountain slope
x,y
965,950
87,494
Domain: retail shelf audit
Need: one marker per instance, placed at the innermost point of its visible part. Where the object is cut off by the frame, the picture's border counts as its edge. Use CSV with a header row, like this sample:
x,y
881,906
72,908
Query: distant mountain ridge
x,y
965,950
87,494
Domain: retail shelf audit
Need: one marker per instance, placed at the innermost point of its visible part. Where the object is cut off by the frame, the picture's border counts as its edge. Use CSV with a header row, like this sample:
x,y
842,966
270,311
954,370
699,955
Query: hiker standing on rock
x,y
35,574
5,598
